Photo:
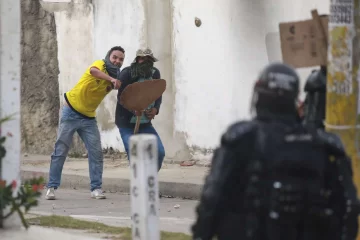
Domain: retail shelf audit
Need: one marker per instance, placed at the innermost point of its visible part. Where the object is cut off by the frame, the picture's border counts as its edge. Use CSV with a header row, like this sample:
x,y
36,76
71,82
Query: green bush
x,y
18,199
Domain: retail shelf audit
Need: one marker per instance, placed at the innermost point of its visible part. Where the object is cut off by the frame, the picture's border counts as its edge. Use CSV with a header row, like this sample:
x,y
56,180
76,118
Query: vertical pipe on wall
x,y
342,108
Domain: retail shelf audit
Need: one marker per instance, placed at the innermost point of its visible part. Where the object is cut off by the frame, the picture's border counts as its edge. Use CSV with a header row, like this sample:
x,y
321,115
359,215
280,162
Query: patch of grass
x,y
174,236
75,155
122,233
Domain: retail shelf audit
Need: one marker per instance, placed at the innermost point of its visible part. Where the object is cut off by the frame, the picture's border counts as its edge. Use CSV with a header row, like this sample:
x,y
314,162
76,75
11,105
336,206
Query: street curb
x,y
167,189
166,161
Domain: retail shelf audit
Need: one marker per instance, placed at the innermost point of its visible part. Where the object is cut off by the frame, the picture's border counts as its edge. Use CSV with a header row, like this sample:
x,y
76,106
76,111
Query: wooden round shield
x,y
138,96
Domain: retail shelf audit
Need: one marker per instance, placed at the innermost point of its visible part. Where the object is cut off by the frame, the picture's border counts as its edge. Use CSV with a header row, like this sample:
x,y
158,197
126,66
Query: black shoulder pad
x,y
237,131
332,142
315,82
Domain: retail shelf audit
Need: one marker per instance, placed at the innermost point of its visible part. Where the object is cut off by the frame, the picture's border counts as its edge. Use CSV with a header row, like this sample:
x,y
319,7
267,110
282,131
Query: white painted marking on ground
x,y
166,219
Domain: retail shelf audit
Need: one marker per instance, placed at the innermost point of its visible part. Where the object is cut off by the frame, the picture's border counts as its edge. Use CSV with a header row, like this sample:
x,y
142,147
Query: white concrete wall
x,y
75,43
217,63
116,23
74,28
159,38
210,70
10,74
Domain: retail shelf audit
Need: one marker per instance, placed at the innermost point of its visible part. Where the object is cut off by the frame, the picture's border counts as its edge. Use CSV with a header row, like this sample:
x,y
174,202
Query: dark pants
x,y
125,134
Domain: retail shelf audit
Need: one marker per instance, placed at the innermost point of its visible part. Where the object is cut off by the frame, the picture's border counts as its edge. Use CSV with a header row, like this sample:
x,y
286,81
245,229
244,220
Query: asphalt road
x,y
176,215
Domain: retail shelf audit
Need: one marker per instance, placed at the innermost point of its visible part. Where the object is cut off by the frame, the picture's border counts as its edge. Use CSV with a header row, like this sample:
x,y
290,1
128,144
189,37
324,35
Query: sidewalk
x,y
174,180
42,233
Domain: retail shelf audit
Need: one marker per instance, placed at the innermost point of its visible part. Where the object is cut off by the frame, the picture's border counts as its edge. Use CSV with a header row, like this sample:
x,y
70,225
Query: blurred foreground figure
x,y
273,178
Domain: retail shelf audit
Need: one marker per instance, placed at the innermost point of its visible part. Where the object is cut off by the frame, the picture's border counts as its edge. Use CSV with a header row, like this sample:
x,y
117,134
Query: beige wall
x,y
209,69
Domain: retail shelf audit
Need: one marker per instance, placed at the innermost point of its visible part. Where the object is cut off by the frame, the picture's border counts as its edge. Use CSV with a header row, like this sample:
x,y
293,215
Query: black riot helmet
x,y
276,92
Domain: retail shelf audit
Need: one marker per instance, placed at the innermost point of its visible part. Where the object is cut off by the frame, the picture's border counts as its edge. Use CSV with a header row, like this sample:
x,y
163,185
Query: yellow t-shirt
x,y
88,93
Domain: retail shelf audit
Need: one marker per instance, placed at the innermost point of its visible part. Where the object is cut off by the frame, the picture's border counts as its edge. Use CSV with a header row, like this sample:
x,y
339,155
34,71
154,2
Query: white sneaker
x,y
50,194
98,194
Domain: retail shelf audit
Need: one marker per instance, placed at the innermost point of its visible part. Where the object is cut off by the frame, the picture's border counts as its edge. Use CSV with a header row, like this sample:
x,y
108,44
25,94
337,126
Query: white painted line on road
x,y
94,217
170,219
97,217
41,213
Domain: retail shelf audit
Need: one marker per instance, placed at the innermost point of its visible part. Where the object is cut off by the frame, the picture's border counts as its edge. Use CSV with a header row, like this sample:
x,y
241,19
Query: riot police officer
x,y
315,101
273,179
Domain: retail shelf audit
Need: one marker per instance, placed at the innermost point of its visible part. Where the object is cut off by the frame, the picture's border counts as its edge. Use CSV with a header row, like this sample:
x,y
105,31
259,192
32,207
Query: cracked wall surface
x,y
39,82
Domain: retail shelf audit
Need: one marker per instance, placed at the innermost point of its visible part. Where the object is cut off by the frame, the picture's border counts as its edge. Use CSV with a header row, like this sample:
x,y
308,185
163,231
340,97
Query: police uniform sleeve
x,y
225,159
349,198
346,192
351,225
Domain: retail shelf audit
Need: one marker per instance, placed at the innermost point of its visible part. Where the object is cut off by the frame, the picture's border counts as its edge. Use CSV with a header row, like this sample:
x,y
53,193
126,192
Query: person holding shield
x,y
140,70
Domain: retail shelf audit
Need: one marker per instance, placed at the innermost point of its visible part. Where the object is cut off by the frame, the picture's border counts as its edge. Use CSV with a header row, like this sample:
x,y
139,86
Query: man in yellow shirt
x,y
79,115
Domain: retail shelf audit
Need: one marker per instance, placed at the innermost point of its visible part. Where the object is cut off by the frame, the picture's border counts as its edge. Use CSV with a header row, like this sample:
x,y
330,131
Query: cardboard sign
x,y
301,43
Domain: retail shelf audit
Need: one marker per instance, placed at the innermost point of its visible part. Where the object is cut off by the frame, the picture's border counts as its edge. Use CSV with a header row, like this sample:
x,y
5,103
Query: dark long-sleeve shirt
x,y
122,115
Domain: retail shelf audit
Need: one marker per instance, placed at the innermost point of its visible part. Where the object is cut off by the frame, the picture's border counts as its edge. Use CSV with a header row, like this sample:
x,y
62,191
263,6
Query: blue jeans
x,y
125,134
88,131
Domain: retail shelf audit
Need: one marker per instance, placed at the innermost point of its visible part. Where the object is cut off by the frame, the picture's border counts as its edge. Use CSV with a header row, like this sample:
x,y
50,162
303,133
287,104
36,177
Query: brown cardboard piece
x,y
138,96
301,43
